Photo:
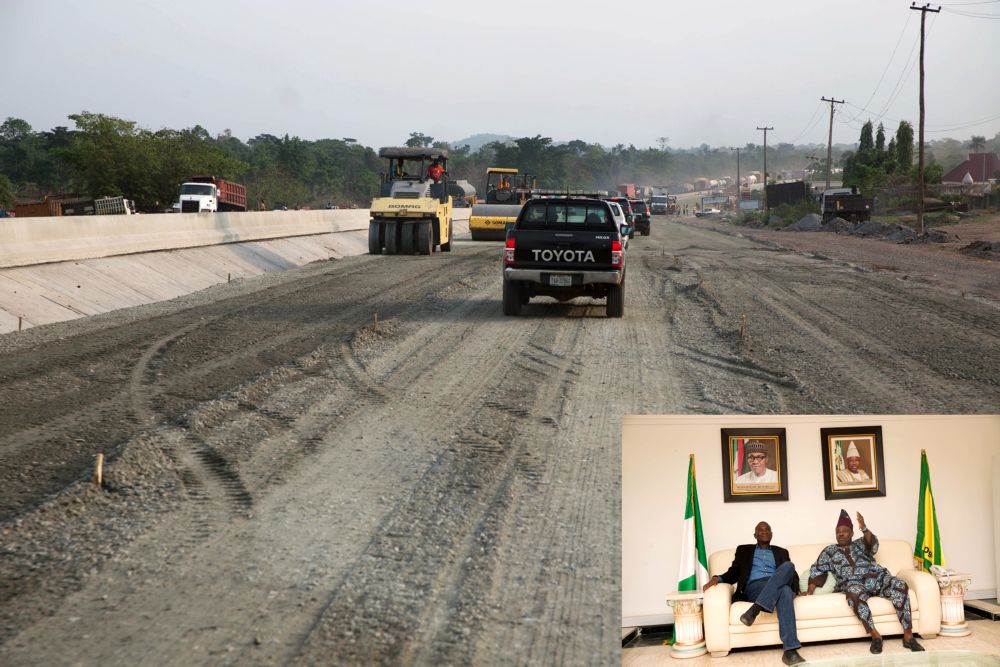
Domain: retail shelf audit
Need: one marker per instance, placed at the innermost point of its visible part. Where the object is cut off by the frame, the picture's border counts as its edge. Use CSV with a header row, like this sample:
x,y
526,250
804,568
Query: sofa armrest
x,y
925,587
718,600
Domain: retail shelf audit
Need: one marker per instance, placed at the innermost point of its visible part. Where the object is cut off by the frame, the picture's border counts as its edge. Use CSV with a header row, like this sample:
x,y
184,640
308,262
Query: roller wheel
x,y
616,300
512,292
376,236
392,237
425,237
446,247
406,238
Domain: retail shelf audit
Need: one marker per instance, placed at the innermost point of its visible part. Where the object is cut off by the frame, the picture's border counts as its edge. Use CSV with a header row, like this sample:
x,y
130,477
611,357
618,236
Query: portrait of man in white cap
x,y
853,473
759,472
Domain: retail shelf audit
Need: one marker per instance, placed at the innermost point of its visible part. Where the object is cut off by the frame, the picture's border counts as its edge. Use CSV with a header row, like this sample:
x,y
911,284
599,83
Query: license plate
x,y
561,281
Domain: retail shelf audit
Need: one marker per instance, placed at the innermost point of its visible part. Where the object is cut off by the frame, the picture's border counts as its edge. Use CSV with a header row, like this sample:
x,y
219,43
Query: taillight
x,y
616,253
508,251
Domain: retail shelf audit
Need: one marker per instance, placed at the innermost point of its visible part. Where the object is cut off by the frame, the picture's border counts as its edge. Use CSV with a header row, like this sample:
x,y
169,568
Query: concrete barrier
x,y
28,241
56,291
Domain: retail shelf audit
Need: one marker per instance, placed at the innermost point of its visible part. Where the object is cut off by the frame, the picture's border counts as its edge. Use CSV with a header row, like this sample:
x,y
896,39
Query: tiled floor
x,y
649,650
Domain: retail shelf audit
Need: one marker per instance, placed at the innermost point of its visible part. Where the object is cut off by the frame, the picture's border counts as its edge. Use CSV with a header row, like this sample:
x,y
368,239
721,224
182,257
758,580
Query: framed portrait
x,y
754,464
853,465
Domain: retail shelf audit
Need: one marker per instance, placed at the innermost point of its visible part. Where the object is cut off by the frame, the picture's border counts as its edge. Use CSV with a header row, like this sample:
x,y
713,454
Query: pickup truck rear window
x,y
556,215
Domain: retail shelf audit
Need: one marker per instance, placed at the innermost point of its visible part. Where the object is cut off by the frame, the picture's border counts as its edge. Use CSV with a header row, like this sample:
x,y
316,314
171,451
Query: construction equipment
x,y
413,211
506,192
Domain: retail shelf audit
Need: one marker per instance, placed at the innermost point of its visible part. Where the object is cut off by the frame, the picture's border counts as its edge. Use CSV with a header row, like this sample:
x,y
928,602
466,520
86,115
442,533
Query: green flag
x,y
693,572
927,546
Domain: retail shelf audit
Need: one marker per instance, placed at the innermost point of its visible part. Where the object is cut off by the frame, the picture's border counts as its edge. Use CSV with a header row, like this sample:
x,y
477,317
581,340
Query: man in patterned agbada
x,y
859,577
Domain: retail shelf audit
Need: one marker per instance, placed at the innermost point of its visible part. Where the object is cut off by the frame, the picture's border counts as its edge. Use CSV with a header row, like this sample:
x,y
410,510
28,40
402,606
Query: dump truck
x,y
114,206
55,205
627,190
413,210
506,191
846,203
212,194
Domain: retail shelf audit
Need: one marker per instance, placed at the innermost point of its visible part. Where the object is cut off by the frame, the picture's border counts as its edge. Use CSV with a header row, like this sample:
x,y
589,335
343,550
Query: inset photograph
x,y
810,538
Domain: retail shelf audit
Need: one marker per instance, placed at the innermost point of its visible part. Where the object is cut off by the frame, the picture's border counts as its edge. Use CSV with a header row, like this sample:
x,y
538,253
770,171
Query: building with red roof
x,y
980,166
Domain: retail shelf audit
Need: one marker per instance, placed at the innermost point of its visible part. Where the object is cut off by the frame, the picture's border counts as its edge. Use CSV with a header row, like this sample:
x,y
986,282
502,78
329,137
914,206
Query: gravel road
x,y
363,461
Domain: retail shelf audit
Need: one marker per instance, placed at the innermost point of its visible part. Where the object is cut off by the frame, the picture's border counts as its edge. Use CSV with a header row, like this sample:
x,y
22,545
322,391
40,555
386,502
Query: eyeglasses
x,y
756,457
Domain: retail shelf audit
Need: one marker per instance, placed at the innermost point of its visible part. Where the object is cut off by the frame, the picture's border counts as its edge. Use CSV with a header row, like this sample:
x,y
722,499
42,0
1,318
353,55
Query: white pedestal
x,y
953,587
689,633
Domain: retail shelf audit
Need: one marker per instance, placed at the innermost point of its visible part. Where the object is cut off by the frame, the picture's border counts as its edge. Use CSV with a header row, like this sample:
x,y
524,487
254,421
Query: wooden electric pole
x,y
829,141
920,162
765,165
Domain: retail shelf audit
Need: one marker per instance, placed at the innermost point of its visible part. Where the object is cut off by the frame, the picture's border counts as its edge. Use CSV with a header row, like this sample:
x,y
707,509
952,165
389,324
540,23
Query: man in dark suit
x,y
765,576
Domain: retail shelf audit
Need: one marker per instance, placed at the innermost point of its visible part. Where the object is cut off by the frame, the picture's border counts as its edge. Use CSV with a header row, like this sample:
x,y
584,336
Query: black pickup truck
x,y
564,248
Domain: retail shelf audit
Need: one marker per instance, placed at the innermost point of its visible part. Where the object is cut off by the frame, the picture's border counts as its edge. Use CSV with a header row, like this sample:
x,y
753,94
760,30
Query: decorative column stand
x,y
953,586
689,634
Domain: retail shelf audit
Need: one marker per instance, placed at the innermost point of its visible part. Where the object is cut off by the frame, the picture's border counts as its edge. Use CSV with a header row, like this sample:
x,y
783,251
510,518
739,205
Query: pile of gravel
x,y
813,222
809,223
984,249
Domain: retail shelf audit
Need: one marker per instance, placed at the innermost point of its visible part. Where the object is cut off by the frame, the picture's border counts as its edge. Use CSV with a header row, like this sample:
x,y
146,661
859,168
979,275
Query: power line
x,y
906,24
809,123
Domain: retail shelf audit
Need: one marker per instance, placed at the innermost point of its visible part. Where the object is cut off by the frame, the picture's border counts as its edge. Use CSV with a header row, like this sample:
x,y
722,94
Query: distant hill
x,y
477,141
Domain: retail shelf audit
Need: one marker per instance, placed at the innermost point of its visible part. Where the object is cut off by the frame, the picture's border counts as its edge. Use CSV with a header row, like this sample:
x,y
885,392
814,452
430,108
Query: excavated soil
x,y
364,461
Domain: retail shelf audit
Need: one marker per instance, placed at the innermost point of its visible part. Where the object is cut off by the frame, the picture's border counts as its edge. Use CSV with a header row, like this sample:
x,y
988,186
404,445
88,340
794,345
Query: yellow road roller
x,y
413,212
506,192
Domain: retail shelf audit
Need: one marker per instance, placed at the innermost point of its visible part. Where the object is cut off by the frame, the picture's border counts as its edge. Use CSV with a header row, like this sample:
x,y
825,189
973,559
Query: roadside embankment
x,y
54,273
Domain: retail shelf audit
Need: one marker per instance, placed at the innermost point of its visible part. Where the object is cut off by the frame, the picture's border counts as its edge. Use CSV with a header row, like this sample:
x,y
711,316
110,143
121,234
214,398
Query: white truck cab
x,y
199,197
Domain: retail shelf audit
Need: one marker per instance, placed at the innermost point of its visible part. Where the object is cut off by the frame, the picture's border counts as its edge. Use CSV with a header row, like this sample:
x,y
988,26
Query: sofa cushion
x,y
808,607
831,582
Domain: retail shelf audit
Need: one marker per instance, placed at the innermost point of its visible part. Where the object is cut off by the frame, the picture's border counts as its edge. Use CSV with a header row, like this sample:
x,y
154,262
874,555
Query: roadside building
x,y
980,167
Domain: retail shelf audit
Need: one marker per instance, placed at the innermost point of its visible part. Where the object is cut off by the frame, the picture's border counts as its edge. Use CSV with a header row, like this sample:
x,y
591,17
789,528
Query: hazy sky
x,y
609,72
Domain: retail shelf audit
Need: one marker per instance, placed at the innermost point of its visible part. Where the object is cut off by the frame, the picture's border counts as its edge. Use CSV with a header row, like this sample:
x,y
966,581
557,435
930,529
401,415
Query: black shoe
x,y
913,645
876,646
750,615
792,657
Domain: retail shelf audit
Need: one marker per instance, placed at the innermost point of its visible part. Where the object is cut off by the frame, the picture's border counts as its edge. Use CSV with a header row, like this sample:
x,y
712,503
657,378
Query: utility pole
x,y
829,141
920,163
739,192
765,165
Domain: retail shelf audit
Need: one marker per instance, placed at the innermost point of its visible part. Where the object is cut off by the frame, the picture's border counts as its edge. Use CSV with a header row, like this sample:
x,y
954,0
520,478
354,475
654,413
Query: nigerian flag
x,y
694,564
927,546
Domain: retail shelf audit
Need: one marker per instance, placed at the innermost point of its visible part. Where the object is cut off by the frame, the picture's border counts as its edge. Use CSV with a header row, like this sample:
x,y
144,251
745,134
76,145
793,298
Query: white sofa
x,y
819,617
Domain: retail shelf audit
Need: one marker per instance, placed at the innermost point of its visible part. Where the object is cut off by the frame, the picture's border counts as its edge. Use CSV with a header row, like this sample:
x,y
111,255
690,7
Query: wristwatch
x,y
865,529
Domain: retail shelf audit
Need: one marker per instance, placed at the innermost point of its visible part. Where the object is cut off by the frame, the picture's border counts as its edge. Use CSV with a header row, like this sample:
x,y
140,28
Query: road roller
x,y
413,212
506,192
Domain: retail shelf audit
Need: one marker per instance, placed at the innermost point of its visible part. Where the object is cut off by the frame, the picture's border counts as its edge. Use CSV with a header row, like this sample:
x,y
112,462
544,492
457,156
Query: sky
x,y
624,72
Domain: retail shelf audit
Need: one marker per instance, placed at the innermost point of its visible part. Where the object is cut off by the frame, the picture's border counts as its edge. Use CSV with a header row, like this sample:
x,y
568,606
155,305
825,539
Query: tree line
x,y
106,156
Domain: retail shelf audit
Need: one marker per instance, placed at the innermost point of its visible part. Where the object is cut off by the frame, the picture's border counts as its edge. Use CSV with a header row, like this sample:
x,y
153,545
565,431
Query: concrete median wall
x,y
54,291
28,241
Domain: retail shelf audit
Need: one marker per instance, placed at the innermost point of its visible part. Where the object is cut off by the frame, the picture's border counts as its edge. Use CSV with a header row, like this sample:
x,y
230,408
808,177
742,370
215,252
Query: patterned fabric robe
x,y
859,577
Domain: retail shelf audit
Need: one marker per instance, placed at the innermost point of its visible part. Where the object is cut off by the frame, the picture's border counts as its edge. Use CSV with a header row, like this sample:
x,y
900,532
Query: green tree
x,y
418,139
866,143
880,138
904,147
6,192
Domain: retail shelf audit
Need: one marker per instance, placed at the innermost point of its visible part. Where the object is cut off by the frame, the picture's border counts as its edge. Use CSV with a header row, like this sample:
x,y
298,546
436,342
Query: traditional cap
x,y
756,446
852,451
845,520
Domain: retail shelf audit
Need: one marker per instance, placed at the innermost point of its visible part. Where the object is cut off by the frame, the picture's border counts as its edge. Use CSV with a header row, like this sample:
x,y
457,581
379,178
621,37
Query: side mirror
x,y
626,230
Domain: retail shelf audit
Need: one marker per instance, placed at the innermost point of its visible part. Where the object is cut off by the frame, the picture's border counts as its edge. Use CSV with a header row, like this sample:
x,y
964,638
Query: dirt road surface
x,y
363,461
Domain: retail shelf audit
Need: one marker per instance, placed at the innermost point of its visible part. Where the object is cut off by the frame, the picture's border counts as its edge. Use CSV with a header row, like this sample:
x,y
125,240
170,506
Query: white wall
x,y
655,449
28,241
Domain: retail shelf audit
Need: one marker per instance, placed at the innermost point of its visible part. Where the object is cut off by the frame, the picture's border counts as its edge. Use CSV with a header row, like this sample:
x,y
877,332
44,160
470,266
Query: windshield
x,y
197,189
565,216
659,200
